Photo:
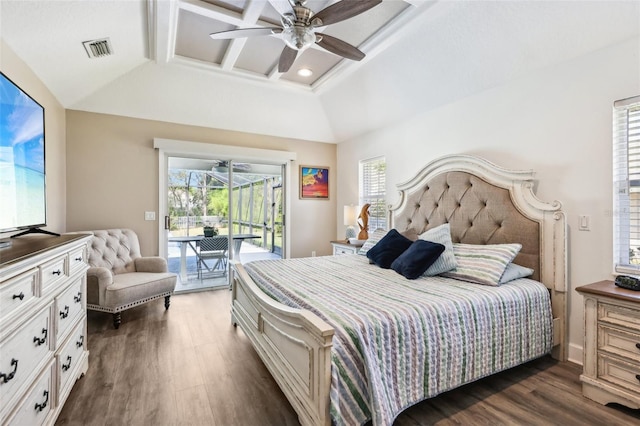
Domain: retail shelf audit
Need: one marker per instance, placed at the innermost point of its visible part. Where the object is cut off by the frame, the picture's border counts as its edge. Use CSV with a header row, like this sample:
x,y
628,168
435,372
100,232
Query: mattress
x,y
399,341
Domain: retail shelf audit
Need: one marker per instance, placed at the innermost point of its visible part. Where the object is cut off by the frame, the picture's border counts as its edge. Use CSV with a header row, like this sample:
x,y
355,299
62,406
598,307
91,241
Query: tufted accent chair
x,y
119,277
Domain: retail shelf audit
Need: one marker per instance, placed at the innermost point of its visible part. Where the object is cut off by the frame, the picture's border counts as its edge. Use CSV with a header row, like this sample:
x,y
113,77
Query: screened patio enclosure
x,y
198,199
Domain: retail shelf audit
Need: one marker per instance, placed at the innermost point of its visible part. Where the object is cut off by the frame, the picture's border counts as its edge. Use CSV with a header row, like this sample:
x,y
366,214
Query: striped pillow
x,y
447,260
373,239
482,264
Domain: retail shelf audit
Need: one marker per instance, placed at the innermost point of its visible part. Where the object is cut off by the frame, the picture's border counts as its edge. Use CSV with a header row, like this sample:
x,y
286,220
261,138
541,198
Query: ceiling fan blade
x,y
340,48
287,57
344,9
281,6
245,32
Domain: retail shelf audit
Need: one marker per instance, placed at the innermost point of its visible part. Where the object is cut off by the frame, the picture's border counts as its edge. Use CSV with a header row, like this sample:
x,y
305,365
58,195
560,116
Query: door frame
x,y
178,148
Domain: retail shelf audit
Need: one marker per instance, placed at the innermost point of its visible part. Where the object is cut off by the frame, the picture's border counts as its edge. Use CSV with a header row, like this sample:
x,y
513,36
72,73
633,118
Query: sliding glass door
x,y
212,199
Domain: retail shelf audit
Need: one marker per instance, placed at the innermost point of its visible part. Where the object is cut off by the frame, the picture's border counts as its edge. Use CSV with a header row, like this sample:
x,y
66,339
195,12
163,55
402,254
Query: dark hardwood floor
x,y
190,366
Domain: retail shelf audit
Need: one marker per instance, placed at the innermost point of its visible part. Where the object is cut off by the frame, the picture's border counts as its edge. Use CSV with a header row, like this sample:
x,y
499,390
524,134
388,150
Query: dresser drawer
x,y
68,359
620,373
16,294
22,354
344,248
620,342
77,260
52,273
619,315
38,403
68,306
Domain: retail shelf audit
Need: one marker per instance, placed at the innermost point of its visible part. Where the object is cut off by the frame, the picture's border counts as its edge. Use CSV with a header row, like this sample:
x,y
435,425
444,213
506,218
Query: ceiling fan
x,y
298,28
223,166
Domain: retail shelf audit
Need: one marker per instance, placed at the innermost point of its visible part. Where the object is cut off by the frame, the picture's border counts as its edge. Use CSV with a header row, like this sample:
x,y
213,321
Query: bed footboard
x,y
294,344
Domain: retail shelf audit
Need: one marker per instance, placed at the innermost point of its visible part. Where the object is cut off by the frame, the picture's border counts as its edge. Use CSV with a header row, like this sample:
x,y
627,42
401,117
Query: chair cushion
x,y
132,287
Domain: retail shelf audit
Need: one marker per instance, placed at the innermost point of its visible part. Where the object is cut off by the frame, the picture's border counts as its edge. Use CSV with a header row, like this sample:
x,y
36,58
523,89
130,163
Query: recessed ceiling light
x,y
305,72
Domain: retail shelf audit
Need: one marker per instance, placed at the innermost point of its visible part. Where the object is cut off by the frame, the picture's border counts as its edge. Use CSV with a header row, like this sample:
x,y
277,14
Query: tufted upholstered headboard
x,y
486,204
477,211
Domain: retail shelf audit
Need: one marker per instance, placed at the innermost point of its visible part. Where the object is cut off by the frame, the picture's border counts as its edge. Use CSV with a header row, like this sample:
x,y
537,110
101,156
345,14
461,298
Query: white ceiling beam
x,y
253,10
212,11
233,53
164,16
250,17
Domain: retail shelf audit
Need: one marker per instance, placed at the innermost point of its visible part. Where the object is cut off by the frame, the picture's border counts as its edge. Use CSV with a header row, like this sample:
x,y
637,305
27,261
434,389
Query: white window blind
x,y
372,190
626,185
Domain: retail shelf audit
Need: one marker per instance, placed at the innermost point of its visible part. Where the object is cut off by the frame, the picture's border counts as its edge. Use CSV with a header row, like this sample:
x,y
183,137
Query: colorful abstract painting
x,y
314,182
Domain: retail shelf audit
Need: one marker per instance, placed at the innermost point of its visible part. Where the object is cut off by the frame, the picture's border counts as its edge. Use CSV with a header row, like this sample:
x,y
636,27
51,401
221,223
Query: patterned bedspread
x,y
399,341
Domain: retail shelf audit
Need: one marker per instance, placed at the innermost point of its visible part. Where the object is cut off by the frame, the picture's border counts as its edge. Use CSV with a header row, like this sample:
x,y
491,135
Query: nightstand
x,y
611,369
344,247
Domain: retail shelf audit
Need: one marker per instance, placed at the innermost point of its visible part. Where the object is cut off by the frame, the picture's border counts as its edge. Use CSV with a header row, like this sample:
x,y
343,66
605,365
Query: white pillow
x,y
447,260
482,264
514,271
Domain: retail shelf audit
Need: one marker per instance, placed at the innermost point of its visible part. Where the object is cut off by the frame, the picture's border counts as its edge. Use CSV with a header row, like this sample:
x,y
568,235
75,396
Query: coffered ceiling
x,y
191,22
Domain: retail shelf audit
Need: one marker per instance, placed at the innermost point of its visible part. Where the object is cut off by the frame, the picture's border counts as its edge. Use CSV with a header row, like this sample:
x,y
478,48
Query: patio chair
x,y
214,249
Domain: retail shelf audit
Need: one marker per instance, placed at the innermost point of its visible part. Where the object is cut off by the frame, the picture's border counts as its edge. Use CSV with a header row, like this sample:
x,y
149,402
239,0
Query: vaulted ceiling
x,y
420,55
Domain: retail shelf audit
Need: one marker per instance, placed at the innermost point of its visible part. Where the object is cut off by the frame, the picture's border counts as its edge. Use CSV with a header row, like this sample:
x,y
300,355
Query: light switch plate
x,y
149,215
584,223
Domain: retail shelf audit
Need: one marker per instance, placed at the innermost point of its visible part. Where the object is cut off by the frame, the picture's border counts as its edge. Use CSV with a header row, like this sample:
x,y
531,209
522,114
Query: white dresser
x,y
611,344
43,326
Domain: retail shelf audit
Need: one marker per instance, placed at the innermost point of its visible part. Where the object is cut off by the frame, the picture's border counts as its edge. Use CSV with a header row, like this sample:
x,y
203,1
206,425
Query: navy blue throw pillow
x,y
388,249
417,258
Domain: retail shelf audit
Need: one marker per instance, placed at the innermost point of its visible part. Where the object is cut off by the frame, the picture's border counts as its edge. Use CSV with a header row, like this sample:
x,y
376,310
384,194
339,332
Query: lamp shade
x,y
350,215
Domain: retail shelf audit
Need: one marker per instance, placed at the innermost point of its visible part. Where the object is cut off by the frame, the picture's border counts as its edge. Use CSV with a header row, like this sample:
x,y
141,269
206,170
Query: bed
x,y
348,341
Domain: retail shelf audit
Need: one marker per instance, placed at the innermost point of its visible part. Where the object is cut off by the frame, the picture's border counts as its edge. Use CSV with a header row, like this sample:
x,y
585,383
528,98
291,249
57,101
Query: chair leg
x,y
117,319
167,302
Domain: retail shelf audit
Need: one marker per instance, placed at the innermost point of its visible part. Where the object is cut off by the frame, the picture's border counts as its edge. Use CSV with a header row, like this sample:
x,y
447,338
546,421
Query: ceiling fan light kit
x,y
298,29
298,38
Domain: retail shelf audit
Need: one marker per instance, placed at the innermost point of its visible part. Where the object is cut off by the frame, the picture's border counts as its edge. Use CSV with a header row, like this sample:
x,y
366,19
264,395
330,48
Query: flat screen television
x,y
22,161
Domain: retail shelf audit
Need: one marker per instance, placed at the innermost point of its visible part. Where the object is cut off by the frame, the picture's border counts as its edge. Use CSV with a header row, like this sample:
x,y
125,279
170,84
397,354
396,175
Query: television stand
x,y
35,231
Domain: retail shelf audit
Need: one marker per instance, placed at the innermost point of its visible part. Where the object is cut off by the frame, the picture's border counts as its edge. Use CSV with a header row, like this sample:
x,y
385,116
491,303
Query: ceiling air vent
x,y
98,48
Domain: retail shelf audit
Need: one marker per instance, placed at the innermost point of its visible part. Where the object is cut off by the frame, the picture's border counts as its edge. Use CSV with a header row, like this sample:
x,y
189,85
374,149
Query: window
x,y
626,185
372,191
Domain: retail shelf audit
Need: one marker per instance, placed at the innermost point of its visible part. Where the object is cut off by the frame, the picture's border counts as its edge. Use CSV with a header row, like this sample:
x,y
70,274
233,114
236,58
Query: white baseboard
x,y
575,354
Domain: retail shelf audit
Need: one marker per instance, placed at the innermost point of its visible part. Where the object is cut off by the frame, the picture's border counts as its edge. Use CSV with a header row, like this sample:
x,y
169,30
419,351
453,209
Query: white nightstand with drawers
x,y
611,344
344,247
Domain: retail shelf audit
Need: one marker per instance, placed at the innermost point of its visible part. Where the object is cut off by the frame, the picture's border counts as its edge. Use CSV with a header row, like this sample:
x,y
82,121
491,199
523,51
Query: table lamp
x,y
350,217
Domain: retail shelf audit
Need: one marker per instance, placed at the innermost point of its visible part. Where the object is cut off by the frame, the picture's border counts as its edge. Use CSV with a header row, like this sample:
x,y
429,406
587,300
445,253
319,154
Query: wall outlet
x,y
149,215
313,253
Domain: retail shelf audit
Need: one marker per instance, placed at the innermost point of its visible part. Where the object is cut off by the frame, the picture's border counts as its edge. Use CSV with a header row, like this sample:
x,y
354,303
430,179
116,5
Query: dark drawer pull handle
x,y
40,407
6,377
57,272
66,366
78,298
78,259
18,296
38,341
65,313
80,342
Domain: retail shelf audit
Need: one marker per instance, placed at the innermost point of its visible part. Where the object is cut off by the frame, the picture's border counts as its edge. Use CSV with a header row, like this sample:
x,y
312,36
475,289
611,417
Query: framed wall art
x,y
314,183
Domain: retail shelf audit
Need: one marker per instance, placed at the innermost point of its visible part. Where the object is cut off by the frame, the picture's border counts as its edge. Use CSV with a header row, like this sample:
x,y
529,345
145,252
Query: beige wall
x,y
14,68
112,177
